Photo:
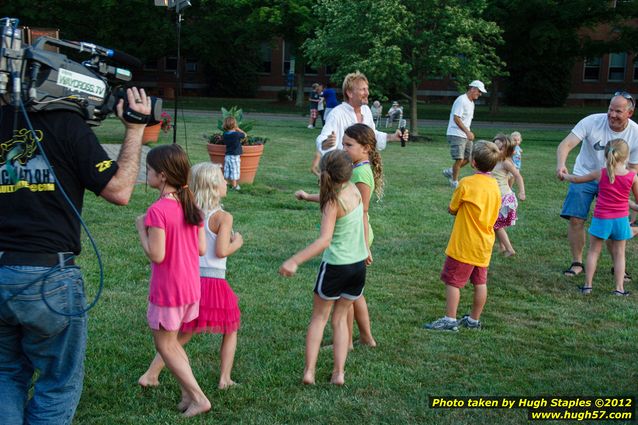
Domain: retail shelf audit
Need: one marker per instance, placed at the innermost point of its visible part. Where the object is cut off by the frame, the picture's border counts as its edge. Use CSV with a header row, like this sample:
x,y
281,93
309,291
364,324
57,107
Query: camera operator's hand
x,y
138,102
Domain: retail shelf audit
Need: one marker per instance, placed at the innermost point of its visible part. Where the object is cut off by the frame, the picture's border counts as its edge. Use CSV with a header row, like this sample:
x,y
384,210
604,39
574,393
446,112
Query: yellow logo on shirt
x,y
104,165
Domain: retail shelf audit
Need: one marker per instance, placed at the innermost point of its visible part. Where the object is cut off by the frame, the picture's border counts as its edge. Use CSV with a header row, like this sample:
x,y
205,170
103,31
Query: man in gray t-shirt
x,y
595,131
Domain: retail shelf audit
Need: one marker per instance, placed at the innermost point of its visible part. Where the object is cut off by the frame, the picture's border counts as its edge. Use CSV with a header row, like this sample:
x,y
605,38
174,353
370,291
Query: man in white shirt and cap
x,y
459,135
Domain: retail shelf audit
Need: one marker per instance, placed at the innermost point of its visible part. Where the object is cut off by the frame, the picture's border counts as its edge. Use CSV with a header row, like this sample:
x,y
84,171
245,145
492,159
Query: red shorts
x,y
457,274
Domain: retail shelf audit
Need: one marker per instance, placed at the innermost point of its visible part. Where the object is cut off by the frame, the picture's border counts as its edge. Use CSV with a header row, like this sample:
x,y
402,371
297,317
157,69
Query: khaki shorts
x,y
460,147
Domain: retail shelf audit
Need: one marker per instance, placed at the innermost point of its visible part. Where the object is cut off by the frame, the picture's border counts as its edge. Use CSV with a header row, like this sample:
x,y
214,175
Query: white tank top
x,y
210,260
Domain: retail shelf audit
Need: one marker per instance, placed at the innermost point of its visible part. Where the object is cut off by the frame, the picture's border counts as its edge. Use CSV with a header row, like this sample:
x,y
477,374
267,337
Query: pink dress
x,y
218,307
174,286
509,204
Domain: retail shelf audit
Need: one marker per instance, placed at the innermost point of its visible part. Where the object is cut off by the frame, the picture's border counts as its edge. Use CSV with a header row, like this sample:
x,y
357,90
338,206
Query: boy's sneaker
x,y
453,183
442,324
469,323
447,172
238,187
311,126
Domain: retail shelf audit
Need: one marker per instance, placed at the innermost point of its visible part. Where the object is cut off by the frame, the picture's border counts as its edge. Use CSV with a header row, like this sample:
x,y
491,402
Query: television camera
x,y
45,80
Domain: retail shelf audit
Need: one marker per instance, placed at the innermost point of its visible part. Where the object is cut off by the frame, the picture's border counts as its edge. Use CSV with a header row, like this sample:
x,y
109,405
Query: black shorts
x,y
336,281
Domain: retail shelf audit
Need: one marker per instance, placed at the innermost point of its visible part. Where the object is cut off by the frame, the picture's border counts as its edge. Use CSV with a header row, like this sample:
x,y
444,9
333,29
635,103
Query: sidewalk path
x,y
423,123
114,150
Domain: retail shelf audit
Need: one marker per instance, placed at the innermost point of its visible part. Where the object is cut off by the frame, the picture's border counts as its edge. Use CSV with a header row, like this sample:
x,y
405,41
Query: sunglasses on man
x,y
626,96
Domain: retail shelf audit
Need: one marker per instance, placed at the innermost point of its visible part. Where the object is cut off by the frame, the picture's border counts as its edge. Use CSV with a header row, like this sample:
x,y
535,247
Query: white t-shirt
x,y
342,117
594,132
463,108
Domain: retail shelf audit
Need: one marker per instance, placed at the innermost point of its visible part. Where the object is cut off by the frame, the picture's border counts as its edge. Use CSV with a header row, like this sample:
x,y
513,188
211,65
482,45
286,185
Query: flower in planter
x,y
218,139
166,122
238,114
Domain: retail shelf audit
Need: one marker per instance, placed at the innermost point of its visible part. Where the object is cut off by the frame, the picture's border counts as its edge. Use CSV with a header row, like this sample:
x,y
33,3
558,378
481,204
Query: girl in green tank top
x,y
342,242
367,174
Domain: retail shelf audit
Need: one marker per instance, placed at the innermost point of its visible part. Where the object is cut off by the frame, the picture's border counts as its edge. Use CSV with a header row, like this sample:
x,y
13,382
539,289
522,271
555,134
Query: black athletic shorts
x,y
336,281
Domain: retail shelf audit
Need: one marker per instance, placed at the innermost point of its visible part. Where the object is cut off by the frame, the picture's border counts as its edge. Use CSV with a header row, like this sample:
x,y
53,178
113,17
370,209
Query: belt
x,y
10,258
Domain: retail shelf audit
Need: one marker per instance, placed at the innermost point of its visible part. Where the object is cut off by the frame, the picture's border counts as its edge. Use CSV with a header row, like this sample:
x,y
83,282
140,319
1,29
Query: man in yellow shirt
x,y
475,203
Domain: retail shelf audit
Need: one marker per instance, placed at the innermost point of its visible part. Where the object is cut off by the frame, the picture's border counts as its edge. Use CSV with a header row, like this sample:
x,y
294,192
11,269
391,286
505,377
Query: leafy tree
x,y
291,20
133,26
541,45
399,43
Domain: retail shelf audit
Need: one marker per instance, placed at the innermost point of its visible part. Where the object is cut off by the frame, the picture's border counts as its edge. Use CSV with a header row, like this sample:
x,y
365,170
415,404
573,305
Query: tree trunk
x,y
300,66
494,97
414,129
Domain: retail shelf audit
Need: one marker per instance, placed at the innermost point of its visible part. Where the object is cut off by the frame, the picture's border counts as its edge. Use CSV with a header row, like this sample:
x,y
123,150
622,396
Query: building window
x,y
265,58
171,63
591,70
287,48
150,65
191,65
309,70
617,63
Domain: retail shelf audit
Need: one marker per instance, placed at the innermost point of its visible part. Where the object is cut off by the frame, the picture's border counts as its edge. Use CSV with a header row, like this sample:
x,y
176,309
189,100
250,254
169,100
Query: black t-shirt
x,y
34,215
232,140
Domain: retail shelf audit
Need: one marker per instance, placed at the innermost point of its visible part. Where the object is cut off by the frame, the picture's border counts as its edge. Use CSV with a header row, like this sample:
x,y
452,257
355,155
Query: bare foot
x,y
338,378
369,342
224,385
509,253
308,378
148,380
197,408
184,403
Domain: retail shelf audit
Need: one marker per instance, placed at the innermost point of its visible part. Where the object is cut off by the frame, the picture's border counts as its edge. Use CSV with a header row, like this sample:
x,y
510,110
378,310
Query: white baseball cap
x,y
479,85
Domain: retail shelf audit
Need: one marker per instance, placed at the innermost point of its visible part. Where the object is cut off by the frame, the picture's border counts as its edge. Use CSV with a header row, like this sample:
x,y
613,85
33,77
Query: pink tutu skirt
x,y
507,214
218,309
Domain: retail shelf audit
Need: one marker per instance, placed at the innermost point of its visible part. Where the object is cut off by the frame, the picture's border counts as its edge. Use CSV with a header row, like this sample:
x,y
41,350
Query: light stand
x,y
179,5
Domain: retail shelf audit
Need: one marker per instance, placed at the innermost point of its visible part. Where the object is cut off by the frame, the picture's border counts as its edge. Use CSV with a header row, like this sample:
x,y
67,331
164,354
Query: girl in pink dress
x,y
173,238
218,307
502,172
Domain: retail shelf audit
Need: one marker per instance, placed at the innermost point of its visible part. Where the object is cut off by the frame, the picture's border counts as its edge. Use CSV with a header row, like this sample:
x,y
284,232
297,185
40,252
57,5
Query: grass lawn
x,y
539,337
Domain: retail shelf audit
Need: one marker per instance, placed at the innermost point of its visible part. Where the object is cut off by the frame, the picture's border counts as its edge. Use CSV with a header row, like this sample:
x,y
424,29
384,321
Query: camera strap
x,y
135,117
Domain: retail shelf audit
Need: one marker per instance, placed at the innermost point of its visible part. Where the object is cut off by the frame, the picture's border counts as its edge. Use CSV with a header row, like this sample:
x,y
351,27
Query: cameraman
x,y
41,288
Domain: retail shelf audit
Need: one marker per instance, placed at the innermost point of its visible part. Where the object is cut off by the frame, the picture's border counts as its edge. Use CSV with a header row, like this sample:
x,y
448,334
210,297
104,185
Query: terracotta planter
x,y
249,160
151,133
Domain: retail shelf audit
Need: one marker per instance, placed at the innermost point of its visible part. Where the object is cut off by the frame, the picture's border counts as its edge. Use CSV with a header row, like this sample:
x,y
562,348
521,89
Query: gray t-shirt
x,y
594,132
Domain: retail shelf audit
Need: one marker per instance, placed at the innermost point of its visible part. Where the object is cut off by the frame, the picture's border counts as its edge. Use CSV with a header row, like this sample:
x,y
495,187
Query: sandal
x,y
585,290
627,277
570,272
620,293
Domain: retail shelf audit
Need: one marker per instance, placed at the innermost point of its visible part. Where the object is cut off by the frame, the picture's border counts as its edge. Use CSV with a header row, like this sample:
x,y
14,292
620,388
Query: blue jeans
x,y
33,337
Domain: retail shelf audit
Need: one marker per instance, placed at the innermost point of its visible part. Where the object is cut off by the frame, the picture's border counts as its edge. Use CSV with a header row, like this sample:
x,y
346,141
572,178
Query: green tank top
x,y
363,174
348,243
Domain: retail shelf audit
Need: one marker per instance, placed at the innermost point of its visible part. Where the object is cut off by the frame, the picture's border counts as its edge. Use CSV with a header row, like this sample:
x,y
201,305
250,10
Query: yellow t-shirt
x,y
476,202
